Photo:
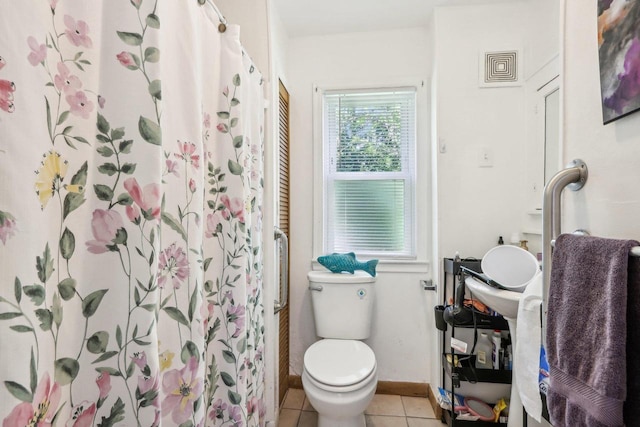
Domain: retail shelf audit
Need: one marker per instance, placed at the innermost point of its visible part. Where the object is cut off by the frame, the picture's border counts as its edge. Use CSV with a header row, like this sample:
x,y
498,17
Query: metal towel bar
x,y
574,177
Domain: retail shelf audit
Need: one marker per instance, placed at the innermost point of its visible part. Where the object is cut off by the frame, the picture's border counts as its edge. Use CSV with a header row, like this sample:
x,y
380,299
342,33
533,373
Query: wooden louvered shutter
x,y
283,208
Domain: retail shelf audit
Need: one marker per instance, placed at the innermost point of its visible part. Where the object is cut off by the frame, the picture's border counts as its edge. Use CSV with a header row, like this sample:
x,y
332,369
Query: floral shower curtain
x,y
130,217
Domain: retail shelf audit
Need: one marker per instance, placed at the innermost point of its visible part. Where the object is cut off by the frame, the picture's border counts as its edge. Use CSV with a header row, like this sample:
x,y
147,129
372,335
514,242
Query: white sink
x,y
503,301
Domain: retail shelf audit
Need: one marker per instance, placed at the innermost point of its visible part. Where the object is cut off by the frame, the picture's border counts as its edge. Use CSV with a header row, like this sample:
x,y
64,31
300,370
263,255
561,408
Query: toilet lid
x,y
339,362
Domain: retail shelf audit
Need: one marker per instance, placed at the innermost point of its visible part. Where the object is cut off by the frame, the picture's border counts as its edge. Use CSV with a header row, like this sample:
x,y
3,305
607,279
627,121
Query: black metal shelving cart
x,y
465,370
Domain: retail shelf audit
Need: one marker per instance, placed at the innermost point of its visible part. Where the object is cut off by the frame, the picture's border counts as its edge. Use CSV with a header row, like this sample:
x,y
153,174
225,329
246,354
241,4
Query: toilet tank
x,y
342,304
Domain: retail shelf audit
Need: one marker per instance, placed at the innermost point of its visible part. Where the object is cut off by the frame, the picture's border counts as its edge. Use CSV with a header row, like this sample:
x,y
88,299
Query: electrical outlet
x,y
485,157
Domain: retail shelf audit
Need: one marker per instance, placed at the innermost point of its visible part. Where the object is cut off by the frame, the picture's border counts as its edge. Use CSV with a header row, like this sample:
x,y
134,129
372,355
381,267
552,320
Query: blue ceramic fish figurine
x,y
337,263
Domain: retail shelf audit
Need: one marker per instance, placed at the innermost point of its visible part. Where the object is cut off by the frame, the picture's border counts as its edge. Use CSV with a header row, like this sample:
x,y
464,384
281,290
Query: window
x,y
369,139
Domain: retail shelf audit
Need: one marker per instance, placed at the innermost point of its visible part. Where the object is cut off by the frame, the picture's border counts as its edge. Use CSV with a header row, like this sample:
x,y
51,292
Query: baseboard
x,y
403,388
437,410
295,381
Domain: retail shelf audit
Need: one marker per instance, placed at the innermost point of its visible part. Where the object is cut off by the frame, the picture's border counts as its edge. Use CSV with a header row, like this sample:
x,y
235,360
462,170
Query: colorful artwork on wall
x,y
619,50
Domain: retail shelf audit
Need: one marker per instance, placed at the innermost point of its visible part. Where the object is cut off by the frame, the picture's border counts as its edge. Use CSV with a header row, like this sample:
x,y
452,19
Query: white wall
x,y
542,26
403,325
477,204
609,204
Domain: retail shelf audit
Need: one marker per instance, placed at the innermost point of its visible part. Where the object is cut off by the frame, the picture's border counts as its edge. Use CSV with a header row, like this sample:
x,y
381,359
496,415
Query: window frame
x,y
420,186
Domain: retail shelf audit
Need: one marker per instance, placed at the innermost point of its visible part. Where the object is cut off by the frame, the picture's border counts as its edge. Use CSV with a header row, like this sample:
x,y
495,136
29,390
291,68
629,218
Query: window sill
x,y
391,266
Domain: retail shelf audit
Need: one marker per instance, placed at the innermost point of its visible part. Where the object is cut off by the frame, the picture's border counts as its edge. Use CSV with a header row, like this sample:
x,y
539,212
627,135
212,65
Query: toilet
x,y
340,371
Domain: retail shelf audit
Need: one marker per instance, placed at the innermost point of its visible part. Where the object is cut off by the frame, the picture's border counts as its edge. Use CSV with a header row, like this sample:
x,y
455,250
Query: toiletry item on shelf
x,y
500,240
444,400
498,408
457,258
495,353
483,352
515,239
523,245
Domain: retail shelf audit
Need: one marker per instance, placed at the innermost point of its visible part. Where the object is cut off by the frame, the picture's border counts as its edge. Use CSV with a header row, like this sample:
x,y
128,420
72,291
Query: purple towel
x,y
587,323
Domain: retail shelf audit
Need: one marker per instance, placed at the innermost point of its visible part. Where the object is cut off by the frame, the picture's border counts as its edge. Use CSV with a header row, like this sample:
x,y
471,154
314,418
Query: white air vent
x,y
500,68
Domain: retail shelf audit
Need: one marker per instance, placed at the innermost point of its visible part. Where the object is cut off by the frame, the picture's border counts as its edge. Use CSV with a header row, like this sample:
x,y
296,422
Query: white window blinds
x,y
369,171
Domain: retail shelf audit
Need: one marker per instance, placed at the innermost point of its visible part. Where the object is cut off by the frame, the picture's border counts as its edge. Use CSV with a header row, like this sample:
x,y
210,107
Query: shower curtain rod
x,y
223,20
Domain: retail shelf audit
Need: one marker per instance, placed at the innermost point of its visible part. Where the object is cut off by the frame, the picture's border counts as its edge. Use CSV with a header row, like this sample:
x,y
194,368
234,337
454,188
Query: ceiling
x,y
316,17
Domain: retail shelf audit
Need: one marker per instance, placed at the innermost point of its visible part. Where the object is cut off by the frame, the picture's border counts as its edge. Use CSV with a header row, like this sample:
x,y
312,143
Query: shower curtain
x,y
130,217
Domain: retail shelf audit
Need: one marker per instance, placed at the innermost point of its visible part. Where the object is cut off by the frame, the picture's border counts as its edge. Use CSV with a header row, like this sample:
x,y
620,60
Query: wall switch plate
x,y
485,157
442,145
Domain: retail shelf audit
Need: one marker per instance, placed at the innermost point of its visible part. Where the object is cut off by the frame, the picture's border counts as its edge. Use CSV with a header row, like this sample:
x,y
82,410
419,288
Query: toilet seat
x,y
339,363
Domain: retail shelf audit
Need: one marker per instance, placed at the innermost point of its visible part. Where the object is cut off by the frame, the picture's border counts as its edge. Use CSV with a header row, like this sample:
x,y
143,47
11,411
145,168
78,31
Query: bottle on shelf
x,y
483,352
500,240
496,339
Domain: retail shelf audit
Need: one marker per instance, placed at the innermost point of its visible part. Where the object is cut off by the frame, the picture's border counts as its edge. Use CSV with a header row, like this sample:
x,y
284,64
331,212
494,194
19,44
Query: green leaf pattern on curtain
x,y
131,264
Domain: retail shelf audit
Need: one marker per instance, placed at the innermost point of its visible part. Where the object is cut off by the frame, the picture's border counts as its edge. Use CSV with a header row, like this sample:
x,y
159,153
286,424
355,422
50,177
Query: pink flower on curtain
x,y
149,385
146,384
79,104
104,225
192,185
41,410
206,312
136,3
6,95
53,4
38,51
214,224
252,406
104,384
235,416
101,101
217,410
2,62
206,120
234,206
133,213
225,91
82,415
186,153
7,226
65,81
77,32
140,359
148,199
173,266
222,127
182,388
235,315
126,59
172,167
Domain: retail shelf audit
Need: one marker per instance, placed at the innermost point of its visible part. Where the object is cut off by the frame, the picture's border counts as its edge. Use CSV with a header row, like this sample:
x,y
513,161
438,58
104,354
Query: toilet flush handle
x,y
315,288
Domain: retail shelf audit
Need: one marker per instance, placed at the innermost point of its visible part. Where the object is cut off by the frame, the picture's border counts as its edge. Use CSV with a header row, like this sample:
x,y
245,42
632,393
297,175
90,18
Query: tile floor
x,y
384,411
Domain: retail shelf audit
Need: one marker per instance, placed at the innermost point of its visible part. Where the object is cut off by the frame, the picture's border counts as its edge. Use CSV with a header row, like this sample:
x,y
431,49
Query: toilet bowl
x,y
340,373
340,379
